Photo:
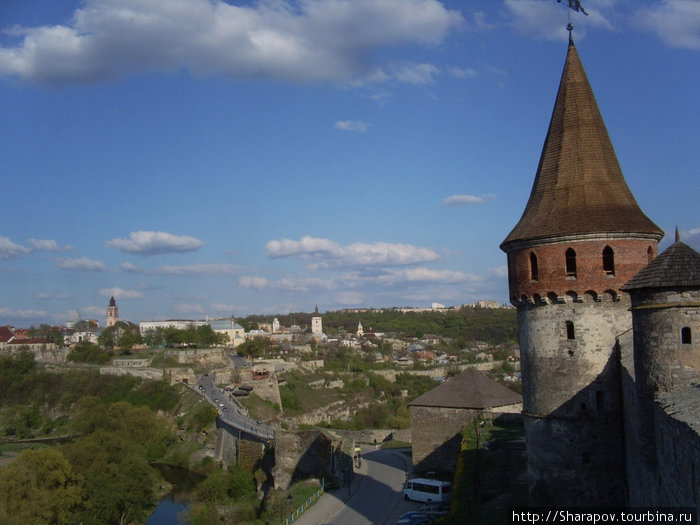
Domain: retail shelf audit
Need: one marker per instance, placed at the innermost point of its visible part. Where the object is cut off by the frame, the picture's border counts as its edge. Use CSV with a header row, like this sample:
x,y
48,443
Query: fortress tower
x,y
112,313
666,320
581,237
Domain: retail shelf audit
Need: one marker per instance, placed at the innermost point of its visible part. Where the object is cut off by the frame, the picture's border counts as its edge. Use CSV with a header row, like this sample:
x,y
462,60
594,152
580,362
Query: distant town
x,y
295,335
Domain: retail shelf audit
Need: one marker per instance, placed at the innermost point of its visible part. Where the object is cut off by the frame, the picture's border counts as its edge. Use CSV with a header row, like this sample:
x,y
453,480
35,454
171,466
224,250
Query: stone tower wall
x,y
571,399
554,367
661,359
661,419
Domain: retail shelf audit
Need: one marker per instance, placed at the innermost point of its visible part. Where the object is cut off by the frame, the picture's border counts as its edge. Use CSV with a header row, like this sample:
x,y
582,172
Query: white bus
x,y
420,489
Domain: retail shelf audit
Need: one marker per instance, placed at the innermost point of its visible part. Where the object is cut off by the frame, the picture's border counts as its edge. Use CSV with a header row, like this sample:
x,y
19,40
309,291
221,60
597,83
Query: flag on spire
x,y
576,6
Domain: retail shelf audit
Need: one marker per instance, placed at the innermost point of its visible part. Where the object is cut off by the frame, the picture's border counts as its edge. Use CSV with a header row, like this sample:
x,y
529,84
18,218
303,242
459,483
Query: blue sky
x,y
200,157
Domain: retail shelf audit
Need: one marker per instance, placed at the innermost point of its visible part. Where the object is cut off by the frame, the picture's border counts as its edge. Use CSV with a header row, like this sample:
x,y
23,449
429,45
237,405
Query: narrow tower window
x,y
686,335
650,254
534,273
570,330
570,263
608,261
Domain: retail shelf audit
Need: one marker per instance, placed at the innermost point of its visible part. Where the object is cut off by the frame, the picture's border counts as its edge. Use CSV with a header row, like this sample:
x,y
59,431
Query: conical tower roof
x,y
579,187
677,267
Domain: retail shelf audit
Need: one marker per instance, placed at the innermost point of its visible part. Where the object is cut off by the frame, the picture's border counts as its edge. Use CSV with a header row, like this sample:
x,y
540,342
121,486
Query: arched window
x,y
534,273
608,261
570,263
570,330
650,255
686,335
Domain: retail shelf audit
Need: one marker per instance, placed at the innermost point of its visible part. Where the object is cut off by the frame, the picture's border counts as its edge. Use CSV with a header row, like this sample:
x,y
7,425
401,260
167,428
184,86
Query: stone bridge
x,y
232,422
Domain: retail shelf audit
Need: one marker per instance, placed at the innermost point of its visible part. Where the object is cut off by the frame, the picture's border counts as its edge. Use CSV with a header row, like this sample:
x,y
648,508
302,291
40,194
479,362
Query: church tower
x,y
581,237
316,323
112,313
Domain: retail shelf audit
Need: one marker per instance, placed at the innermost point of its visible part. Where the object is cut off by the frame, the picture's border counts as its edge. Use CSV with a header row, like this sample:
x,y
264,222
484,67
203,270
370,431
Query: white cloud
x,y
224,308
306,246
189,309
120,293
11,250
201,269
287,284
543,19
302,284
676,22
155,243
349,298
81,263
416,74
351,125
501,271
257,283
12,313
413,275
691,237
327,253
48,245
130,267
463,73
461,200
310,40
45,296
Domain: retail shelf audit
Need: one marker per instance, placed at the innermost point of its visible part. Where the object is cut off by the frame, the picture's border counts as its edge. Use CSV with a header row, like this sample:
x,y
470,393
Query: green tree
x,y
127,340
51,334
255,347
39,487
213,489
118,493
203,415
86,352
240,482
15,368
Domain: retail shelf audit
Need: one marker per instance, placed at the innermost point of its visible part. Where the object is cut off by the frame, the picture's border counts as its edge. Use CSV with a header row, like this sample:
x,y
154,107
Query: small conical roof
x,y
579,187
470,389
112,302
677,267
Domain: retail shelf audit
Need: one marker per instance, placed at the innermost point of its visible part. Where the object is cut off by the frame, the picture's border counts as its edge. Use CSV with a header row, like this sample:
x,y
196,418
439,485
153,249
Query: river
x,y
171,506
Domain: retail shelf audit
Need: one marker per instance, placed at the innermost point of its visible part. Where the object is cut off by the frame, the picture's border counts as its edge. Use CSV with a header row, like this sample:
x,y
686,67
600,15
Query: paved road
x,y
374,497
230,411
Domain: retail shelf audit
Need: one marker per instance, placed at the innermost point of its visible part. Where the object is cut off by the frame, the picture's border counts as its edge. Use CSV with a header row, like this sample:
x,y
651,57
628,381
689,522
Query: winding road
x,y
230,411
376,496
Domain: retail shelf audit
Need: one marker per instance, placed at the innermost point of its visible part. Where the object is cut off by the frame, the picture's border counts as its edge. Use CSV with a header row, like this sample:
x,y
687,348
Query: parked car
x,y
434,509
413,518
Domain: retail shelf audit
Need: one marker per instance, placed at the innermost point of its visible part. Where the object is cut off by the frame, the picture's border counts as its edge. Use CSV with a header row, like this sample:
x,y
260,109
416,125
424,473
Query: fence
x,y
302,508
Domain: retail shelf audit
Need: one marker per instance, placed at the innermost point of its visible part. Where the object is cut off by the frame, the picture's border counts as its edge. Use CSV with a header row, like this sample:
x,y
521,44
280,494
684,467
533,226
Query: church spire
x,y
579,187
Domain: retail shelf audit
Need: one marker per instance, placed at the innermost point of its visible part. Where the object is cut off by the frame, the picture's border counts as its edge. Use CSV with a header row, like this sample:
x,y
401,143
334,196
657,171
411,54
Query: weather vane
x,y
576,6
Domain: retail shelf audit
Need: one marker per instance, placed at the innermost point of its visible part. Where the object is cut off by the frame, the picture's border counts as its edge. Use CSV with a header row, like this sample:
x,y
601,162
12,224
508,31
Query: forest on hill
x,y
494,326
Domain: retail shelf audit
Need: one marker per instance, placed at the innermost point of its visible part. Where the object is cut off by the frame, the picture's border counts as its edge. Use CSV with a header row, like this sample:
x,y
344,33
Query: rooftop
x,y
579,187
470,389
677,267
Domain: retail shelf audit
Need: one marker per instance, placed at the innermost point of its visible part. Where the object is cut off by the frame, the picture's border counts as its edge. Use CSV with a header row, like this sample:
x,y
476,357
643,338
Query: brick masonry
x,y
630,256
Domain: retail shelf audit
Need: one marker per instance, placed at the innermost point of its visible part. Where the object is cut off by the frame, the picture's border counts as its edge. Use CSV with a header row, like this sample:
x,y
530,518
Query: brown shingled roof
x,y
677,267
579,187
6,334
469,389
